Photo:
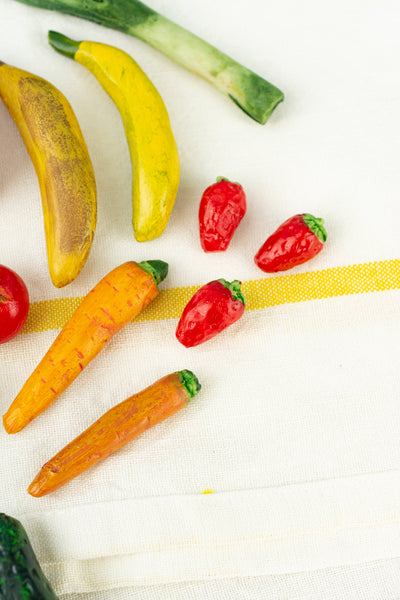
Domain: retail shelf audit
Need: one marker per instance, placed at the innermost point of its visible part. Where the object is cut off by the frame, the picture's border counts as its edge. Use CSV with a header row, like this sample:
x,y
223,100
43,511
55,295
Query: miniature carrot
x,y
116,428
110,305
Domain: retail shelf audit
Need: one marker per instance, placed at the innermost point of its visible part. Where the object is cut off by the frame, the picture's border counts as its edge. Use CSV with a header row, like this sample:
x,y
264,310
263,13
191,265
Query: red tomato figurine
x,y
215,306
14,304
296,241
222,207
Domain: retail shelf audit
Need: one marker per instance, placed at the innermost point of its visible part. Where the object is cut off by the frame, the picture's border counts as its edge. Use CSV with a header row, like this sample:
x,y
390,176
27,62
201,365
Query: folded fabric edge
x,y
377,580
128,571
259,293
245,533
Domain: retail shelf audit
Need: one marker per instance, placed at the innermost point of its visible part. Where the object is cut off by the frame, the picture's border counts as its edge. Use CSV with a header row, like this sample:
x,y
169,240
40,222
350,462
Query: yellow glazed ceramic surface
x,y
55,143
152,146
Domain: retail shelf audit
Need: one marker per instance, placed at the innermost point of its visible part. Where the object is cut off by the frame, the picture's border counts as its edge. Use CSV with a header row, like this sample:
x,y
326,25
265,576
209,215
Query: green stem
x,y
316,225
234,288
63,44
189,382
221,178
253,94
157,268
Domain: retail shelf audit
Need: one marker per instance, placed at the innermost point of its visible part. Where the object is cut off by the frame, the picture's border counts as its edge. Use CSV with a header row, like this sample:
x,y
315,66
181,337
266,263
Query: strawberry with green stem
x,y
222,207
296,241
214,306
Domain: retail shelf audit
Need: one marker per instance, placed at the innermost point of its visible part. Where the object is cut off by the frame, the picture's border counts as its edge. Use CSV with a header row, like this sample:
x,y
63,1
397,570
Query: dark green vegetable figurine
x,y
254,95
21,577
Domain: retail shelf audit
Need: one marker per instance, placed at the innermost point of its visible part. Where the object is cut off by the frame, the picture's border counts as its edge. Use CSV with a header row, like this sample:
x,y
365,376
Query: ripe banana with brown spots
x,y
53,138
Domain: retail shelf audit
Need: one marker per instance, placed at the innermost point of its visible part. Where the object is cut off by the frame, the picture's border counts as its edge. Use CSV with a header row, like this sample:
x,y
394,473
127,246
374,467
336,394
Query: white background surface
x,y
296,427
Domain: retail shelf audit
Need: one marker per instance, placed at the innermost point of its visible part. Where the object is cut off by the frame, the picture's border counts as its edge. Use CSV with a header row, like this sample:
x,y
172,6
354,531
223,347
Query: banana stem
x,y
63,44
253,94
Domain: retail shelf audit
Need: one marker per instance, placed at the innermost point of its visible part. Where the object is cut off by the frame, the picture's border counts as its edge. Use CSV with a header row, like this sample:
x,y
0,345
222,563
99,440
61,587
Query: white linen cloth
x,y
295,430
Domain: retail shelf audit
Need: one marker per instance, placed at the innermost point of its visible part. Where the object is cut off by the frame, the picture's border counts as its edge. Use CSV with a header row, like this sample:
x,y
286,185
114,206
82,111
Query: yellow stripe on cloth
x,y
259,293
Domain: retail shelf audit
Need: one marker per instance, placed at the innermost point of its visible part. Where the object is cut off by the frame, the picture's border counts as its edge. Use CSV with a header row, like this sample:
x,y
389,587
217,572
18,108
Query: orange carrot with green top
x,y
115,428
109,306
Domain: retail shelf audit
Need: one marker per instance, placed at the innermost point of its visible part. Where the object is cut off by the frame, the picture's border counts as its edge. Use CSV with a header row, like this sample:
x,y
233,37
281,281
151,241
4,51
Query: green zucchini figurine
x,y
21,577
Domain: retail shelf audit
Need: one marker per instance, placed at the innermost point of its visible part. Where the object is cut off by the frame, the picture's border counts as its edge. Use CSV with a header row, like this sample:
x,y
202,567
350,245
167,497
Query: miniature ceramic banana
x,y
153,151
55,143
